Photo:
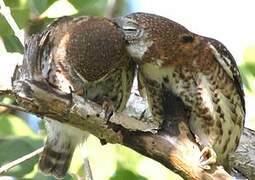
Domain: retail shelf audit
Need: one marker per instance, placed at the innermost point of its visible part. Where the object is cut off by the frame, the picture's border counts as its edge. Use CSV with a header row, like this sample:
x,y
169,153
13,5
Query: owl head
x,y
153,38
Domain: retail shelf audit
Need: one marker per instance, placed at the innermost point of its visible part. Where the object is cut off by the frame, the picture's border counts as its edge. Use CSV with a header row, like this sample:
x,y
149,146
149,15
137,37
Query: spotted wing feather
x,y
229,63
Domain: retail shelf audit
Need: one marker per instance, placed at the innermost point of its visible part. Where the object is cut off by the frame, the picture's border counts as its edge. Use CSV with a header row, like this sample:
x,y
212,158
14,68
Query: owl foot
x,y
207,158
109,109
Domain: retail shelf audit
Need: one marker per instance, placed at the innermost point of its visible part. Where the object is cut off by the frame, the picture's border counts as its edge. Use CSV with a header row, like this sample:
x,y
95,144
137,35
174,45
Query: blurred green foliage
x,y
11,42
17,139
248,68
112,162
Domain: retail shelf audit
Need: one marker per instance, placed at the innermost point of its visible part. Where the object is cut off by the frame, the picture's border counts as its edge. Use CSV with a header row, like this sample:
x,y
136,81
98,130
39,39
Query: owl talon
x,y
71,94
71,102
208,157
109,109
142,115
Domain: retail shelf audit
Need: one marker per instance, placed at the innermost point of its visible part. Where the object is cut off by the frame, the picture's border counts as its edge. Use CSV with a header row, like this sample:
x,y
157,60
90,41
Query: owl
x,y
176,63
84,56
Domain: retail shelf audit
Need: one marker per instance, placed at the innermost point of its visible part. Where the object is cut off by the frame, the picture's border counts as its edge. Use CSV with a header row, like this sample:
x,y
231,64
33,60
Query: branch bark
x,y
178,153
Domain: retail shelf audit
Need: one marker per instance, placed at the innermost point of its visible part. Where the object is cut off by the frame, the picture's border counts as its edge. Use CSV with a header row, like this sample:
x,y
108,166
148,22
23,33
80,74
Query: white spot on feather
x,y
206,94
64,84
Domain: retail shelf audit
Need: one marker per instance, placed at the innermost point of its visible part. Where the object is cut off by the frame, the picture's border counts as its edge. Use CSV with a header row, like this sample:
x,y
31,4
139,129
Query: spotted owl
x,y
85,56
200,71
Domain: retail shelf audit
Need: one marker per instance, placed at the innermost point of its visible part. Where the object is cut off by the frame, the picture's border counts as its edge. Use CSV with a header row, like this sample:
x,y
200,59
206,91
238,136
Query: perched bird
x,y
85,56
198,70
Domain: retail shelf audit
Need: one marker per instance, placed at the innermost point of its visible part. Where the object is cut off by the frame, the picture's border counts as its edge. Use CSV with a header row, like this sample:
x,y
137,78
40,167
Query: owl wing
x,y
230,67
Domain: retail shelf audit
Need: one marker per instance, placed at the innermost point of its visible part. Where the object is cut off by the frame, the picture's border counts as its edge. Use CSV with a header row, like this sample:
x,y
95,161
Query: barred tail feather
x,y
59,148
55,163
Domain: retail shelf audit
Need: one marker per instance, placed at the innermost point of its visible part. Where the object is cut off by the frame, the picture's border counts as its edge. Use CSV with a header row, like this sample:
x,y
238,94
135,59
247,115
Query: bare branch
x,y
243,160
110,7
14,107
113,8
16,162
178,151
87,169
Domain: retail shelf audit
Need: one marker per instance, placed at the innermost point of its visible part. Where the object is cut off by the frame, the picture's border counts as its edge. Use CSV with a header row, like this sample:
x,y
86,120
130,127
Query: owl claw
x,y
71,102
109,109
208,157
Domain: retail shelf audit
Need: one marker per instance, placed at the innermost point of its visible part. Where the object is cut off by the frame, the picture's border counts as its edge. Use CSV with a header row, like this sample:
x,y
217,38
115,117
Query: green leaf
x,y
131,159
21,16
40,176
39,6
5,27
82,4
12,125
250,67
14,4
248,75
16,148
123,173
13,44
19,10
90,7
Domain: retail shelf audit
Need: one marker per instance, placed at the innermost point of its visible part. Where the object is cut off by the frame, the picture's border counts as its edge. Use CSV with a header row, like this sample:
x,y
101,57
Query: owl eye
x,y
187,38
132,32
130,28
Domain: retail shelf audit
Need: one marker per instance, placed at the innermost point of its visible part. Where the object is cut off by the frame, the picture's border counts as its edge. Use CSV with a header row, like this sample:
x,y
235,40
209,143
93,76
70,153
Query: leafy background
x,y
21,133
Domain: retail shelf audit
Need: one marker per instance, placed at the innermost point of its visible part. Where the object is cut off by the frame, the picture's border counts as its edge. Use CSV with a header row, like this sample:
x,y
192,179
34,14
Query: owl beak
x,y
130,28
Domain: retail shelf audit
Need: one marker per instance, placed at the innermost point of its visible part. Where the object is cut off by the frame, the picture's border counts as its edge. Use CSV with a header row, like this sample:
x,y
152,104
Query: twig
x,y
87,169
11,106
86,164
16,162
110,8
5,11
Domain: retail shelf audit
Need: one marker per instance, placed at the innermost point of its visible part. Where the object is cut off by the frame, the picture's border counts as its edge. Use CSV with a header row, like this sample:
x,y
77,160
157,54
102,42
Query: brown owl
x,y
85,56
198,70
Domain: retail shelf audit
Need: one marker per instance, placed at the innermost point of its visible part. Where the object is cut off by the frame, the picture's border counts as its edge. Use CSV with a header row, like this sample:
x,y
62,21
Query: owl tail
x,y
55,161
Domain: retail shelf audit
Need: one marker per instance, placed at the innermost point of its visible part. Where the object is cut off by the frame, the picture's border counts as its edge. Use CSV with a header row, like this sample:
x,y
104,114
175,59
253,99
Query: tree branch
x,y
113,8
11,106
178,153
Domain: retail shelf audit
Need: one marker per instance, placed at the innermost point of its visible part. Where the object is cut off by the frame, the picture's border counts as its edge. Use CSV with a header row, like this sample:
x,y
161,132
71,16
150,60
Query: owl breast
x,y
217,115
212,101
